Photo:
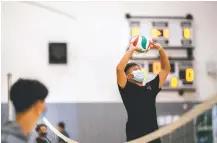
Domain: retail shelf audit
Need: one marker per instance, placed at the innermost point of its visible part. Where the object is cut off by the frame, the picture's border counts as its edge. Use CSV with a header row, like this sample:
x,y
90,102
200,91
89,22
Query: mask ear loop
x,y
145,73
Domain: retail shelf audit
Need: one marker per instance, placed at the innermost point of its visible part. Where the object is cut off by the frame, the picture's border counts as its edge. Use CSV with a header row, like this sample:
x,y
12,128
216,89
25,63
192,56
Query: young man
x,y
41,129
61,129
139,99
28,98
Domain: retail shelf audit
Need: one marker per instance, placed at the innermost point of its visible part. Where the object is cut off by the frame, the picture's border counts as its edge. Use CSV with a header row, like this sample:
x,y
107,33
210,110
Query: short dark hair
x,y
39,126
61,124
129,65
25,92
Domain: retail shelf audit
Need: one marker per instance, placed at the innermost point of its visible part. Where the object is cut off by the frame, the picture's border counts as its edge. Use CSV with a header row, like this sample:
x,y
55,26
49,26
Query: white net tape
x,y
187,117
66,139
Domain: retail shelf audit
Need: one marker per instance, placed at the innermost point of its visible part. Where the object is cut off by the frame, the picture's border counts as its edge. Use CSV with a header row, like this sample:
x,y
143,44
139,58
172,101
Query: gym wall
x,y
96,41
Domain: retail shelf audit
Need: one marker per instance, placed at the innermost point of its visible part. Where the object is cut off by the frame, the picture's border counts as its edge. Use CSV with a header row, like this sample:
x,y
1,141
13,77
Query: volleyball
x,y
141,42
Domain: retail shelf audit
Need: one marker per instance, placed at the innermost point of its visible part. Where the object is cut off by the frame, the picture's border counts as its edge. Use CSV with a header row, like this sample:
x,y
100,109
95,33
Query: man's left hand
x,y
154,45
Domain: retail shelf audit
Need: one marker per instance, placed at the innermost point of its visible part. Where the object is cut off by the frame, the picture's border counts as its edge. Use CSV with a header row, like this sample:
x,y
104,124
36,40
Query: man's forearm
x,y
125,59
165,63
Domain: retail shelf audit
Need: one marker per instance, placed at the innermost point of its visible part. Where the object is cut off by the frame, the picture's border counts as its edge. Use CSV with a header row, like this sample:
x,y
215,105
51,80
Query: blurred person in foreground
x,y
28,97
61,129
139,99
41,129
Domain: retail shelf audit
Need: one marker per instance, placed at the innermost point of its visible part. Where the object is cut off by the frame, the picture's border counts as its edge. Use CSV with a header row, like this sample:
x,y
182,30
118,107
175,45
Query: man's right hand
x,y
121,75
134,48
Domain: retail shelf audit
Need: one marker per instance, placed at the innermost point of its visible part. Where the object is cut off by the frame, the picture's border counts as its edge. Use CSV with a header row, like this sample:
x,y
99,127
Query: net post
x,y
10,109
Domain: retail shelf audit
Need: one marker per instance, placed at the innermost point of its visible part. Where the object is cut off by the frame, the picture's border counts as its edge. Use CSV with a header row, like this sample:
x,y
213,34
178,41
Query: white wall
x,y
96,42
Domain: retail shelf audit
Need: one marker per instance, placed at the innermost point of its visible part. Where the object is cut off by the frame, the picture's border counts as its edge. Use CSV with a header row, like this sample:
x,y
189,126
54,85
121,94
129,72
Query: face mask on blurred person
x,y
43,115
43,134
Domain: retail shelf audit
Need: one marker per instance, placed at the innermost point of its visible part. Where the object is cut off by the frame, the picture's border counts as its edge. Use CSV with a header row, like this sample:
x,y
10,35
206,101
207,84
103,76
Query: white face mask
x,y
138,75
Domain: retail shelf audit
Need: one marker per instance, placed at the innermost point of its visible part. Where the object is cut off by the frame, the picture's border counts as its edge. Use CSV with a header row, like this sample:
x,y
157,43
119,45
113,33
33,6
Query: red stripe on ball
x,y
135,41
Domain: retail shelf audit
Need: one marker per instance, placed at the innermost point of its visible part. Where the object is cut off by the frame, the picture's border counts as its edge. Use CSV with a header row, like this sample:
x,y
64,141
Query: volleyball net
x,y
190,123
197,125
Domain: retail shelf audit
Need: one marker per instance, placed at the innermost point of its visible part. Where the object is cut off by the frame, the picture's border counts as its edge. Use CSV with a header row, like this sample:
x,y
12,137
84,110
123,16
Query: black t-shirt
x,y
139,102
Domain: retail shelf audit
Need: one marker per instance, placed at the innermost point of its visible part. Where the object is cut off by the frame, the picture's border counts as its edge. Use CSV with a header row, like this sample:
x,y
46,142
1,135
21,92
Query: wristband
x,y
160,48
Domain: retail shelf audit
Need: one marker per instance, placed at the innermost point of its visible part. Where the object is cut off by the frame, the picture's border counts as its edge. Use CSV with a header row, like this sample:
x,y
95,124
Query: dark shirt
x,y
139,102
39,140
65,134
